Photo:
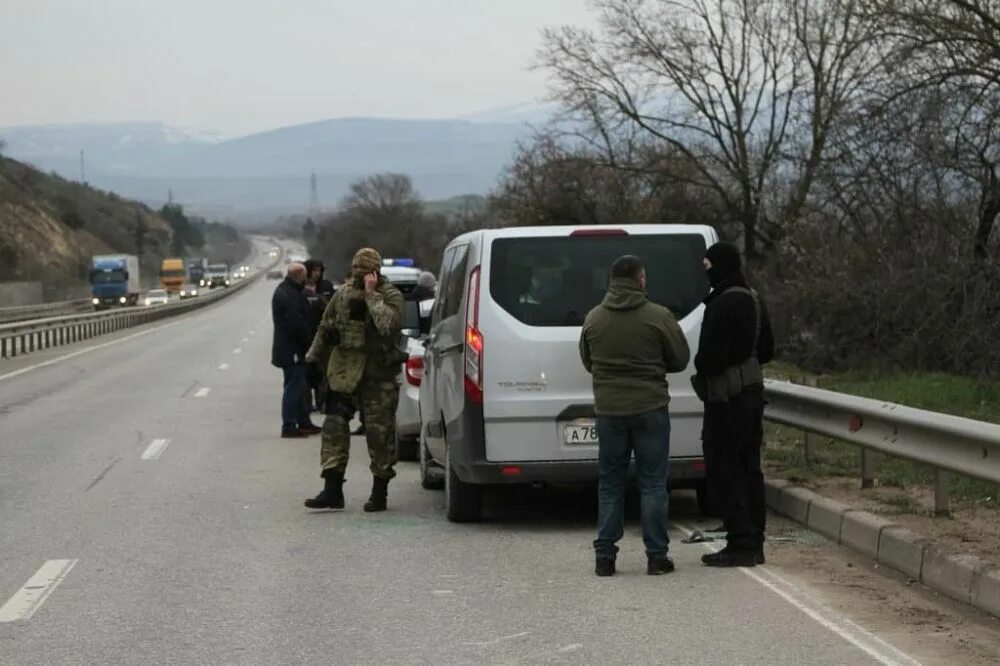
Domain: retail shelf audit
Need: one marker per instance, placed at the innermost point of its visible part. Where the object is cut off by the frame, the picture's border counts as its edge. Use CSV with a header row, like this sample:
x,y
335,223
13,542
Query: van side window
x,y
456,282
442,288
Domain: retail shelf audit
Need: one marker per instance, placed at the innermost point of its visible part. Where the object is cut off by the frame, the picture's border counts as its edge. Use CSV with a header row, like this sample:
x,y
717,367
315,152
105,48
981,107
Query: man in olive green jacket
x,y
629,344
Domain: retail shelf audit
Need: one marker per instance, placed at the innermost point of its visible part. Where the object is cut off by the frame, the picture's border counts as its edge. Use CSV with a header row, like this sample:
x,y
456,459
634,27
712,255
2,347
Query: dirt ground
x,y
970,530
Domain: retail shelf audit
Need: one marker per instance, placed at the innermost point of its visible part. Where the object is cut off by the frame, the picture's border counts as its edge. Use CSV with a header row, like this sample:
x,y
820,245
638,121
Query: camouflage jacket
x,y
358,345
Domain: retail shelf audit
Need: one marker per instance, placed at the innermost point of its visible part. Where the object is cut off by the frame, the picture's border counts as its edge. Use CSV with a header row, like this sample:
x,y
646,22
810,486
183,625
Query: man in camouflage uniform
x,y
360,334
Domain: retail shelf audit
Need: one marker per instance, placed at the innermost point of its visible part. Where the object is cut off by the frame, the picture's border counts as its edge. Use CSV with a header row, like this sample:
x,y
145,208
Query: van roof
x,y
631,229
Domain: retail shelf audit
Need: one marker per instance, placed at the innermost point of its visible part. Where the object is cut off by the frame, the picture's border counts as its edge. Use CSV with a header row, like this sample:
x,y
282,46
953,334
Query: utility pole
x,y
170,196
314,209
83,170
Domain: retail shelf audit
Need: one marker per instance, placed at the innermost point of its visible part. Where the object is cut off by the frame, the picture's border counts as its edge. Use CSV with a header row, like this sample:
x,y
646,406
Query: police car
x,y
404,275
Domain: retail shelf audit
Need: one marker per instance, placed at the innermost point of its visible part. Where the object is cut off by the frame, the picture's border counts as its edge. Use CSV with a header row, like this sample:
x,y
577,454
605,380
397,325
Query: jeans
x,y
648,435
732,436
294,406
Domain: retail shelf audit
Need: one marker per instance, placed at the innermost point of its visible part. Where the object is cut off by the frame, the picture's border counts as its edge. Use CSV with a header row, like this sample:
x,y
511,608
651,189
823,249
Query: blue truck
x,y
114,280
196,269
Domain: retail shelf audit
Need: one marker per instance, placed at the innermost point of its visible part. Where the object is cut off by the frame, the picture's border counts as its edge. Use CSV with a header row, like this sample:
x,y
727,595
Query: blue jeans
x,y
294,408
618,436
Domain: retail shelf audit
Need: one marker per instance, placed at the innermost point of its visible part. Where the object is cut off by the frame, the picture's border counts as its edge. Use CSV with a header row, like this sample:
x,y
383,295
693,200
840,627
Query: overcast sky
x,y
244,65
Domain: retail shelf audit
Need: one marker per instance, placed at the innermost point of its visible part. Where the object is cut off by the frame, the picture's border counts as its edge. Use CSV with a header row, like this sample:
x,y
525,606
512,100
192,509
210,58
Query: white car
x,y
188,291
504,396
157,297
404,275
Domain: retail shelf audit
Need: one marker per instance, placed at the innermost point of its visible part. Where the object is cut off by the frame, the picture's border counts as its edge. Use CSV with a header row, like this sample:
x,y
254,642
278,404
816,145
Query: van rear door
x,y
538,286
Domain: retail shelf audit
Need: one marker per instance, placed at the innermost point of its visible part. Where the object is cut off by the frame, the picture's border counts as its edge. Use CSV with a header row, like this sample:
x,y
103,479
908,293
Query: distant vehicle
x,y
173,274
273,253
157,297
196,269
275,274
217,276
114,280
189,291
504,397
403,273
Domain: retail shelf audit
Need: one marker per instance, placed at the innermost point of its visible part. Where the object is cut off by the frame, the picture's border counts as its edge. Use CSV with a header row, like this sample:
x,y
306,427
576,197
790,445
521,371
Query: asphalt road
x,y
149,514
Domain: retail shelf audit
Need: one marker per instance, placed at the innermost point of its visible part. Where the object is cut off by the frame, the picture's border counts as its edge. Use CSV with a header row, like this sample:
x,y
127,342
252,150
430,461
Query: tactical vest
x,y
736,378
346,366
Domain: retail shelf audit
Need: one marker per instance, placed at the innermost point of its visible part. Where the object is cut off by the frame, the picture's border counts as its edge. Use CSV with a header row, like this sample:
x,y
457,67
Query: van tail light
x,y
473,343
414,370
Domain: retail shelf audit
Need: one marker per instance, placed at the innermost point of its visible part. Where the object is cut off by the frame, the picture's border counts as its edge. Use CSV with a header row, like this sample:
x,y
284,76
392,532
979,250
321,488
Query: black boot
x,y
332,496
378,500
657,565
729,557
604,566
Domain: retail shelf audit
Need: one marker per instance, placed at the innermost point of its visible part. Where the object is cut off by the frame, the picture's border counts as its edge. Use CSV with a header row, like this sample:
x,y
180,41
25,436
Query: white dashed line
x,y
223,366
202,392
155,449
245,340
876,648
237,351
30,598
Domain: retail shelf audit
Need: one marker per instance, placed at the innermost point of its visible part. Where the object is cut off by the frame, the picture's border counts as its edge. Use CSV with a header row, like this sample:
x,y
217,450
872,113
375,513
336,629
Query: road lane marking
x,y
223,366
876,648
30,598
79,352
237,351
202,392
245,340
155,449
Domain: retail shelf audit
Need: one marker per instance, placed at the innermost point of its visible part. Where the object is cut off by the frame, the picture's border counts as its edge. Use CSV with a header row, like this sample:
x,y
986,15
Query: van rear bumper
x,y
683,472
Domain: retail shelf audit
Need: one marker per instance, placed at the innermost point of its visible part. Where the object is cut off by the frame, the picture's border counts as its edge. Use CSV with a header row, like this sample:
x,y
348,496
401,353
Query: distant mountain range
x,y
270,171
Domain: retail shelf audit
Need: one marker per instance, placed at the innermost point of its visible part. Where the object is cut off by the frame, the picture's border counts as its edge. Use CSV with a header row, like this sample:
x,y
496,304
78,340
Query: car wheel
x,y
406,449
431,476
463,501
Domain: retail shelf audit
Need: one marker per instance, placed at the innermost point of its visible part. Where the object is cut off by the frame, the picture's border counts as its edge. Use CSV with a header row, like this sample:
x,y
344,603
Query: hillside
x,y
49,228
272,169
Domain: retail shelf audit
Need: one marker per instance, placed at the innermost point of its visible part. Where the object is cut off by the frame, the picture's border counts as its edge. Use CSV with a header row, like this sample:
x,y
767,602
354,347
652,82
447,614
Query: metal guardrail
x,y
946,443
19,338
25,312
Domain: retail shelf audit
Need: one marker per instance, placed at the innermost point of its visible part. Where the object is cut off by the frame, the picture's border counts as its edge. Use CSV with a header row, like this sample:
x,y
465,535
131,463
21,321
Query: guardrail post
x,y
942,493
867,468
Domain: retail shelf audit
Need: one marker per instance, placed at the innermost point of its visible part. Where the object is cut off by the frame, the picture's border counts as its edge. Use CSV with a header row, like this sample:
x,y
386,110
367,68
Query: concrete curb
x,y
962,577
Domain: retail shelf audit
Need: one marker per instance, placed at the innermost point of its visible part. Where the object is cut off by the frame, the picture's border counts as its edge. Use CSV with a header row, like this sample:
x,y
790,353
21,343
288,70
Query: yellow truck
x,y
173,275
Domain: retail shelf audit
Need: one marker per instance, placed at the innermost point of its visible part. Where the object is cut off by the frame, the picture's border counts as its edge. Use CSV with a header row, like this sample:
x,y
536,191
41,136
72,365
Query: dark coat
x,y
290,314
728,329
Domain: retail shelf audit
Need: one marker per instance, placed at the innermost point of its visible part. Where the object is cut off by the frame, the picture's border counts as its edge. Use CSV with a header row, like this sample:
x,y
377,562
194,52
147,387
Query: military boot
x,y
332,495
380,490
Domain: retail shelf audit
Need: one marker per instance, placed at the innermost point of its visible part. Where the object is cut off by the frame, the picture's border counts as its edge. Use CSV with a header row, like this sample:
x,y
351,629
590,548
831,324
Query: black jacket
x,y
728,329
290,314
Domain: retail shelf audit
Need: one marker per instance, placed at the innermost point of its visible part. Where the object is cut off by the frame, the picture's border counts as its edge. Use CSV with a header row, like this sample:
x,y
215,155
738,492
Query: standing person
x,y
361,332
629,344
290,314
735,341
314,292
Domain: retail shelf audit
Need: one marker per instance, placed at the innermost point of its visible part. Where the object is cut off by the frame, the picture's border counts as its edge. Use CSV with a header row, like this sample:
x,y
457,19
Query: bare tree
x,y
724,84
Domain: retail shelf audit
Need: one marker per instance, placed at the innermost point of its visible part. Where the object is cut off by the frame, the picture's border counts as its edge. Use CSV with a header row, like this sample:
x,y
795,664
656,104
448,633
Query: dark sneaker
x,y
293,434
731,558
310,429
605,566
657,565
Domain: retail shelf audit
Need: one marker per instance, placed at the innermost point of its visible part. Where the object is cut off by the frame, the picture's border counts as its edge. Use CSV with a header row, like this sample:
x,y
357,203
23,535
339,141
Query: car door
x,y
430,411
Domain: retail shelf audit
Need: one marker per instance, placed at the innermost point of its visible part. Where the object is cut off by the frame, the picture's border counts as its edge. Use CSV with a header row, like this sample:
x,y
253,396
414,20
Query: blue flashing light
x,y
410,263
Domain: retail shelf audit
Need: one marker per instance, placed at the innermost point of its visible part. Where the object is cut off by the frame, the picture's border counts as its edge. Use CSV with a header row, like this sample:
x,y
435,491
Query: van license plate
x,y
580,433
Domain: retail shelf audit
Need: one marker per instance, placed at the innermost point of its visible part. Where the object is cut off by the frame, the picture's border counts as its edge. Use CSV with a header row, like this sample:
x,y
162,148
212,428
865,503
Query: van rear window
x,y
556,281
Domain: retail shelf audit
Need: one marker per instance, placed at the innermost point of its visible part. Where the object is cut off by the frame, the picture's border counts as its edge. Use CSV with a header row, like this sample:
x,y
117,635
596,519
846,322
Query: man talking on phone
x,y
360,334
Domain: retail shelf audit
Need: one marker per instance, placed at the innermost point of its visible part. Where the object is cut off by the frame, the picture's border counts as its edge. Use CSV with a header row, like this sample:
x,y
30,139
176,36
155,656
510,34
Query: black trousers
x,y
732,435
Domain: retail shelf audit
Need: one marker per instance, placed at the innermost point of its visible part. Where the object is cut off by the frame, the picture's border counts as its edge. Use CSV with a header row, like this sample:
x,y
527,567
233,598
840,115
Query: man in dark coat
x,y
735,341
292,337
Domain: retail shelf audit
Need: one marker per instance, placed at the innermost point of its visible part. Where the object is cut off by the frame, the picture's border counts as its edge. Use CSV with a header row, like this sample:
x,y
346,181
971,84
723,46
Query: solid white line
x,y
223,366
859,637
30,598
202,392
155,449
66,357
237,350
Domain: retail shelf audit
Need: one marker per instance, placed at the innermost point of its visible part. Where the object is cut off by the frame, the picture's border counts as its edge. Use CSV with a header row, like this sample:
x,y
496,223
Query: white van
x,y
505,398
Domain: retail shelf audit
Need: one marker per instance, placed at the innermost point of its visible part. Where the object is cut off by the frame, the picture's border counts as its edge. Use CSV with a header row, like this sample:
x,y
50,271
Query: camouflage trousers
x,y
378,401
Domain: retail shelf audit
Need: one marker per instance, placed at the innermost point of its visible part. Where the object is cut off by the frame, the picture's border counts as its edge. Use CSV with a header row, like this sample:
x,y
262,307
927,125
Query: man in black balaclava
x,y
735,341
